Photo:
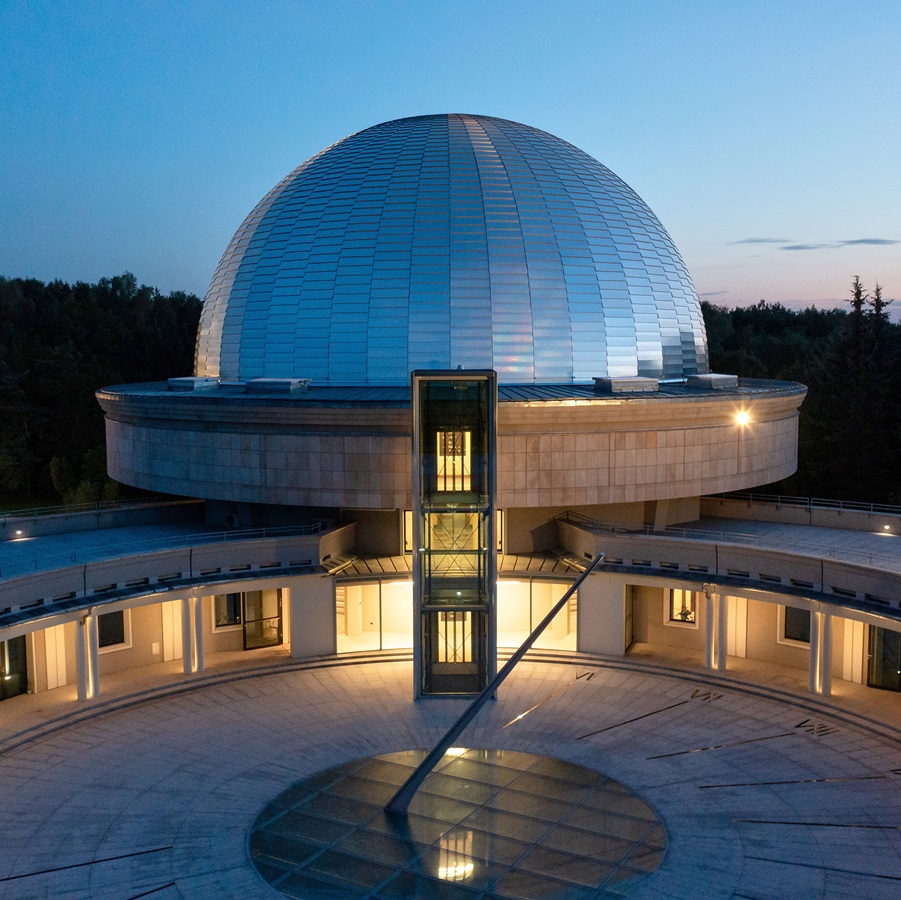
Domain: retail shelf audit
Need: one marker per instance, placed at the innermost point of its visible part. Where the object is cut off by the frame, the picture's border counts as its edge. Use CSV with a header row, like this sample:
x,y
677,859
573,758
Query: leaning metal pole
x,y
399,803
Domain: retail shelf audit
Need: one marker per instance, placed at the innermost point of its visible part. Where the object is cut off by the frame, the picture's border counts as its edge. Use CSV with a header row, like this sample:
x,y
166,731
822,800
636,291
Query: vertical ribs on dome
x,y
446,240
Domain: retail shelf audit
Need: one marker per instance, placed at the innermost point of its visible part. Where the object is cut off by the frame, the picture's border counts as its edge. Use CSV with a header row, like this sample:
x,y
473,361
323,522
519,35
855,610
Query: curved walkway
x,y
764,794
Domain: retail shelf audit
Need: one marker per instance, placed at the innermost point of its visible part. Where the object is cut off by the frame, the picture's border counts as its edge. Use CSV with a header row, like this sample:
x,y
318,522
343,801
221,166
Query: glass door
x,y
455,644
262,619
884,669
13,669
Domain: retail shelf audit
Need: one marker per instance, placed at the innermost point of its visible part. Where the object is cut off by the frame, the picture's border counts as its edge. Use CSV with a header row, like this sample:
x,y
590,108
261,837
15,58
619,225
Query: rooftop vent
x,y
192,383
712,382
624,385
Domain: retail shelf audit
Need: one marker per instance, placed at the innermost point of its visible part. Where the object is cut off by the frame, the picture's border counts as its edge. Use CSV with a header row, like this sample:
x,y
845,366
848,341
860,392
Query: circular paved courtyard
x,y
761,796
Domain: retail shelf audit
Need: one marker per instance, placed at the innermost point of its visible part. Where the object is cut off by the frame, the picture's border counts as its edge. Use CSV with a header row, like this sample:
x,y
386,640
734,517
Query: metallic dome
x,y
445,241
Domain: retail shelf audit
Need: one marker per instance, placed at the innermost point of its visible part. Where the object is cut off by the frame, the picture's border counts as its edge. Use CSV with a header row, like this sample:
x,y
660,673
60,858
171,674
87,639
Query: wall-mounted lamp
x,y
742,417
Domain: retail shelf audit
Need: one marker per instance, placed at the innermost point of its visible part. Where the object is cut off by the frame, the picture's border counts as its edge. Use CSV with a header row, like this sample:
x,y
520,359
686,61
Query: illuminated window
x,y
455,637
683,606
454,455
408,530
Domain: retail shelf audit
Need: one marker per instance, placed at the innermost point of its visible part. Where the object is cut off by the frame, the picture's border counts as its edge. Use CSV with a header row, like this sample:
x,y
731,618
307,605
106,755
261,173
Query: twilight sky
x,y
766,135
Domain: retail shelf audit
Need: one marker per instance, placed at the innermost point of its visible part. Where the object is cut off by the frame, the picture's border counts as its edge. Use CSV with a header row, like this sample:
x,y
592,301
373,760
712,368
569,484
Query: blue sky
x,y
765,135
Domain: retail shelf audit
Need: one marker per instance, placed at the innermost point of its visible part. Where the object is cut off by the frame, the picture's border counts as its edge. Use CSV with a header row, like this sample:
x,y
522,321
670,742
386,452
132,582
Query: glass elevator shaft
x,y
454,546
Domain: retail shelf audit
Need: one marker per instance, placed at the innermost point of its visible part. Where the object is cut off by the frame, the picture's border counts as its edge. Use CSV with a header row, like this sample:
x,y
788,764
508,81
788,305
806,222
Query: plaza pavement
x,y
765,792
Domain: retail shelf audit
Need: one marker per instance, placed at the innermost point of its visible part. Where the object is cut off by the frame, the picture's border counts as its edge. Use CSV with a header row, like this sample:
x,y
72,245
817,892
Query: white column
x,y
826,655
722,631
93,636
602,615
197,603
187,634
708,629
81,661
813,681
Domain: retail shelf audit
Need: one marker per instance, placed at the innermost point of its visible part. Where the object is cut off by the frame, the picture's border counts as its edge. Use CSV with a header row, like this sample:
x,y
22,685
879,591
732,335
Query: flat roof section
x,y
388,396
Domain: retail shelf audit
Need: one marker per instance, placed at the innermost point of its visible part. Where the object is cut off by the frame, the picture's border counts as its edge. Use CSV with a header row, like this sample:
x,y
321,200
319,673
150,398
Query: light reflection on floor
x,y
486,823
368,641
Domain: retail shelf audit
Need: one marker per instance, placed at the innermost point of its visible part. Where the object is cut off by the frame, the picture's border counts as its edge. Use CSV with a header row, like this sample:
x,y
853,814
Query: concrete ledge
x,y
277,385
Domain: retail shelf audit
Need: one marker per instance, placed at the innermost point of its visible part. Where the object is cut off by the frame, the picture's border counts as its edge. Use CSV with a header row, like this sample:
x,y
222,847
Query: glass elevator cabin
x,y
454,541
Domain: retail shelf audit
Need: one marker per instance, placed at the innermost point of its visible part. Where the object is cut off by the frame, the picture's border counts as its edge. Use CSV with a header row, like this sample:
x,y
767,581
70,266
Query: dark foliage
x,y
58,344
850,428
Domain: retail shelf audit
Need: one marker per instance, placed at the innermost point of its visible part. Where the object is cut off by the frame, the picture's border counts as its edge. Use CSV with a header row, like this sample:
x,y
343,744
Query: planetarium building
x,y
444,246
451,381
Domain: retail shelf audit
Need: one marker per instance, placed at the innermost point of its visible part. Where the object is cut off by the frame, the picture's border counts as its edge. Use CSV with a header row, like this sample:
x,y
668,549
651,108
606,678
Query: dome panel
x,y
445,241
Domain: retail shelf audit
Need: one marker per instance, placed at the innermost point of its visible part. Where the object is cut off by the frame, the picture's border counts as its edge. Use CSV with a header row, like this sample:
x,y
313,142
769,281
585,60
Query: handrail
x,y
34,512
130,548
809,502
888,561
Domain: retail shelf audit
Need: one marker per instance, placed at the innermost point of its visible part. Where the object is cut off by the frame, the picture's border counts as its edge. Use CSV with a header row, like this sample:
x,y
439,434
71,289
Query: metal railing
x,y
779,500
130,548
808,548
36,512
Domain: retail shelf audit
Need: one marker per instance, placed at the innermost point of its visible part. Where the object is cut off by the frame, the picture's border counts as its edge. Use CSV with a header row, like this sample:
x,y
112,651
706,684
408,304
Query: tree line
x,y
59,343
850,359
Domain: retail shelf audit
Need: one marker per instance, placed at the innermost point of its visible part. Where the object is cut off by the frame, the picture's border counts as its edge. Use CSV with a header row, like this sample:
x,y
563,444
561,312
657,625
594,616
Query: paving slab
x,y
157,797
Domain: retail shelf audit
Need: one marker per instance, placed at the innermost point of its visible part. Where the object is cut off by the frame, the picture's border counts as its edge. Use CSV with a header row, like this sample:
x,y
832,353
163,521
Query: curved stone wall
x,y
560,452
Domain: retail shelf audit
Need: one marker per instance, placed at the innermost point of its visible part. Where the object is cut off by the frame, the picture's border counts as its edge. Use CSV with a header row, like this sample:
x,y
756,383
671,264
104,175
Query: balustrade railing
x,y
779,500
111,552
808,548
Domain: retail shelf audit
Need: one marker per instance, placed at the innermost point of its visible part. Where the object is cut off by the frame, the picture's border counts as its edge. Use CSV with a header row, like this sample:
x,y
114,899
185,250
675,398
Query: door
x,y
455,645
884,669
262,619
13,668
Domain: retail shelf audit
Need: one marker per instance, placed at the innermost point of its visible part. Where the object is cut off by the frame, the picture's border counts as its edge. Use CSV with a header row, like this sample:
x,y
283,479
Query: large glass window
x,y
521,605
378,615
374,615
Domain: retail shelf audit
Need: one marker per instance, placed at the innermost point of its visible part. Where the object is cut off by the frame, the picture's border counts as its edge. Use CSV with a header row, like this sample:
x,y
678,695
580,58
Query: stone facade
x,y
550,453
